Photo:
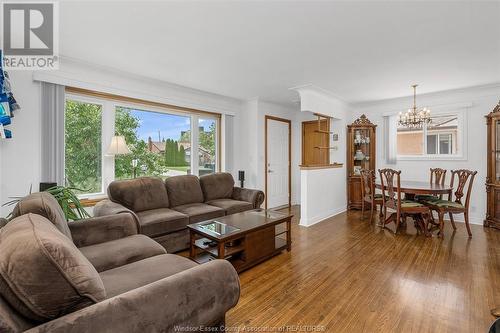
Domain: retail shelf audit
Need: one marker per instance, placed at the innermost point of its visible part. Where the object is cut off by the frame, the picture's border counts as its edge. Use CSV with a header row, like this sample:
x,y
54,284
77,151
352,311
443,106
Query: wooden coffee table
x,y
245,239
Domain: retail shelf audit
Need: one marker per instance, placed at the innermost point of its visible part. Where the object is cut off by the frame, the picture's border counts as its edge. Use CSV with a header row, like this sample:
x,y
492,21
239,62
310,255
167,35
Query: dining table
x,y
411,188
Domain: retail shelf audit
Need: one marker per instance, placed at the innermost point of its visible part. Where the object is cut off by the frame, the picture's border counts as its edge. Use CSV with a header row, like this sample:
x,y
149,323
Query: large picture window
x,y
161,142
440,139
157,141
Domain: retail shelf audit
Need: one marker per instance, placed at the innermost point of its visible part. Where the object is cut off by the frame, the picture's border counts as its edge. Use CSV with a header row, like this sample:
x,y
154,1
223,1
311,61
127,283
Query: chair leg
x,y
452,221
381,210
362,208
371,211
398,219
420,222
441,224
466,216
426,219
384,218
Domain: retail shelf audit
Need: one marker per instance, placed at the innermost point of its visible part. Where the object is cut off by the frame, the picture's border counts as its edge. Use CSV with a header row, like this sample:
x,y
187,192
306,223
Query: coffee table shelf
x,y
279,243
228,250
256,235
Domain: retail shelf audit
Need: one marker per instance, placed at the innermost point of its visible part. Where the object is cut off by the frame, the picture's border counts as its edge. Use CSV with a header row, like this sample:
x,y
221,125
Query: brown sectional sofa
x,y
101,275
164,209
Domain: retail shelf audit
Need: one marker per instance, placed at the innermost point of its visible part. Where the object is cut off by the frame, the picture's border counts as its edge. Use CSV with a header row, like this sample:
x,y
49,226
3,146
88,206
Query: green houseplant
x,y
67,199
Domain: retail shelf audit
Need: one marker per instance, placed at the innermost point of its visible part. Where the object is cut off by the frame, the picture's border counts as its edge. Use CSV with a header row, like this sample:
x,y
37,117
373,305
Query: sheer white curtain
x,y
390,138
228,143
53,104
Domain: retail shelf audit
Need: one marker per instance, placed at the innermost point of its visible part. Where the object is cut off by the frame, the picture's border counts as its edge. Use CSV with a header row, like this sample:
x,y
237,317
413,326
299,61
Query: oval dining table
x,y
412,187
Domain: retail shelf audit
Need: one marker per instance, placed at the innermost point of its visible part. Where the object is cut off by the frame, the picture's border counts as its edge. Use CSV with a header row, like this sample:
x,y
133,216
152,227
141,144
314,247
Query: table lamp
x,y
118,146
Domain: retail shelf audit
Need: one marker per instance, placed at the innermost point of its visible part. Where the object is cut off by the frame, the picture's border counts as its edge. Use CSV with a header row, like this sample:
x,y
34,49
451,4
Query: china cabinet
x,y
493,169
360,155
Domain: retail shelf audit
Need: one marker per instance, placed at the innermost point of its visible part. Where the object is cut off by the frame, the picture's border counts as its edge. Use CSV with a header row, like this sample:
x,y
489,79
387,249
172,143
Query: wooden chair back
x,y
438,175
367,184
391,188
465,179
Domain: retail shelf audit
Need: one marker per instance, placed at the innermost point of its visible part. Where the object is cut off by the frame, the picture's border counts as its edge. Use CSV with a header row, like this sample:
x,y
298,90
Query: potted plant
x,y
67,199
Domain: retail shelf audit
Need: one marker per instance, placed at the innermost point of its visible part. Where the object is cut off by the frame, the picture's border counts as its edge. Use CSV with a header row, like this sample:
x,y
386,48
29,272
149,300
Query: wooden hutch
x,y
493,169
360,155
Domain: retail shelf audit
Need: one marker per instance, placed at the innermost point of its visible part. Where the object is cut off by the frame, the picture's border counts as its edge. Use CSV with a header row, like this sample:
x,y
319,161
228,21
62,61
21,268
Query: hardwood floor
x,y
346,275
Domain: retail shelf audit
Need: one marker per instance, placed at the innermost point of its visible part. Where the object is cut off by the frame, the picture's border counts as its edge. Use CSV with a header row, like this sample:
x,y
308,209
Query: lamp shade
x,y
118,146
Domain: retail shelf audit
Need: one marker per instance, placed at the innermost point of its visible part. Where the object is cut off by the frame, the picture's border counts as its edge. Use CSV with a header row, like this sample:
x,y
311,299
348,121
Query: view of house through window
x,y
157,141
160,143
440,137
83,152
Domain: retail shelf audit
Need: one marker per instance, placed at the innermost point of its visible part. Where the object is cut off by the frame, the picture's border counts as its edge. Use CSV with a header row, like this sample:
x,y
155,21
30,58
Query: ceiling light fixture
x,y
414,117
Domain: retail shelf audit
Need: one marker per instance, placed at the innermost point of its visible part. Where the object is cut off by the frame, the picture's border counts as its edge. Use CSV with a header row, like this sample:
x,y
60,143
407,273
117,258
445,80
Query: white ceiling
x,y
359,51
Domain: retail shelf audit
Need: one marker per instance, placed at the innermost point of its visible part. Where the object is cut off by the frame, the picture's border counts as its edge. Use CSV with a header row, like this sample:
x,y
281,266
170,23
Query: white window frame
x,y
461,140
438,141
108,131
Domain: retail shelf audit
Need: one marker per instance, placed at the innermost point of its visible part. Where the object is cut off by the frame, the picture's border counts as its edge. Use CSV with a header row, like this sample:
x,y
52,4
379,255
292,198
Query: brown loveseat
x,y
164,209
100,275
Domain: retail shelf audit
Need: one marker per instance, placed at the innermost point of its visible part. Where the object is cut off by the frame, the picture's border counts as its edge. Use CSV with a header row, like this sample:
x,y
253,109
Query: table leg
x,y
289,235
221,248
192,249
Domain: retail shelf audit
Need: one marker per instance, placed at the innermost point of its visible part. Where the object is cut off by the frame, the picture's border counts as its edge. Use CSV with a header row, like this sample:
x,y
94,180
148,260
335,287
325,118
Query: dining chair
x,y
368,194
390,180
438,176
465,180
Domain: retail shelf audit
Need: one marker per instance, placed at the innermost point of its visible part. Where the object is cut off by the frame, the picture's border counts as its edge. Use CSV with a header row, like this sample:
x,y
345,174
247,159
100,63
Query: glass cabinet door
x,y
361,149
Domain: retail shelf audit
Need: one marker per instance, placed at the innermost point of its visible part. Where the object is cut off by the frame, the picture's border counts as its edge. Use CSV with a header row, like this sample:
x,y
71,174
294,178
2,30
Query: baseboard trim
x,y
319,218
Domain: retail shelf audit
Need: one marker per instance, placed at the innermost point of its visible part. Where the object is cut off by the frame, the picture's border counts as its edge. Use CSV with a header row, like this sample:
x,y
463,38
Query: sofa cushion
x,y
44,204
160,221
119,252
137,274
139,194
231,206
217,186
198,212
42,273
184,190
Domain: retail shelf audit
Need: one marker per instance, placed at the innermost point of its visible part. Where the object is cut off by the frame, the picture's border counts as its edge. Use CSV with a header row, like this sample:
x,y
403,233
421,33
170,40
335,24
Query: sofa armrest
x,y
255,197
102,229
108,207
196,297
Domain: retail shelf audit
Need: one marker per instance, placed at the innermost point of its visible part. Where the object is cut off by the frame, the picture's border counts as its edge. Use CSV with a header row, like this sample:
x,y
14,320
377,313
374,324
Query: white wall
x,y
249,142
20,156
323,194
323,191
482,99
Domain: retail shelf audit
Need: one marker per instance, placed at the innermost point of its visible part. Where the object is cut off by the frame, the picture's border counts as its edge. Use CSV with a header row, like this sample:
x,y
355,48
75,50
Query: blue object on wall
x,y
8,103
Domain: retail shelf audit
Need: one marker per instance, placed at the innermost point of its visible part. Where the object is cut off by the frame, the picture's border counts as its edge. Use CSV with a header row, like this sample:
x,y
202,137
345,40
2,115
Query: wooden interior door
x,y
311,139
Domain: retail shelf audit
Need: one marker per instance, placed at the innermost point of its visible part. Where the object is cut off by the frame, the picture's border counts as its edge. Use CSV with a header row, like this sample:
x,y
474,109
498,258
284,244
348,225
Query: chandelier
x,y
414,117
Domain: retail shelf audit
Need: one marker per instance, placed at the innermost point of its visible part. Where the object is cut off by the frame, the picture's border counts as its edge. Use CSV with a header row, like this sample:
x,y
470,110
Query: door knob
x,y
269,171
